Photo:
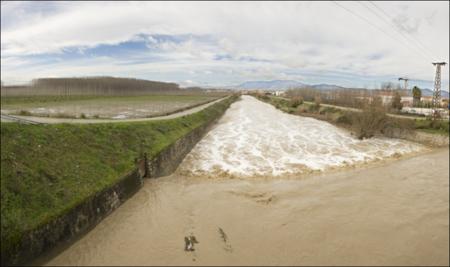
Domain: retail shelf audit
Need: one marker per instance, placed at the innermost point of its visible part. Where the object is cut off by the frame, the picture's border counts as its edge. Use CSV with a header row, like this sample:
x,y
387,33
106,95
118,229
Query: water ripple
x,y
254,138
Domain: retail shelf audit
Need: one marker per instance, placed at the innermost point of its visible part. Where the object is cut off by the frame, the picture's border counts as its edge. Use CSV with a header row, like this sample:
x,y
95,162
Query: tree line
x,y
356,97
91,86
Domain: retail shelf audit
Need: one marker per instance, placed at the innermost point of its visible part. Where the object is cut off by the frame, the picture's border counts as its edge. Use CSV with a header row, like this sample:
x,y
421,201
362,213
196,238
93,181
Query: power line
x,y
420,49
369,22
419,42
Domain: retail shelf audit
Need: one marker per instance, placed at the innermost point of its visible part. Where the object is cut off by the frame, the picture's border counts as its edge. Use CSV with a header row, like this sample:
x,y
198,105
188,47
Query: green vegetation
x,y
296,101
417,95
370,121
91,86
48,169
101,86
433,126
396,104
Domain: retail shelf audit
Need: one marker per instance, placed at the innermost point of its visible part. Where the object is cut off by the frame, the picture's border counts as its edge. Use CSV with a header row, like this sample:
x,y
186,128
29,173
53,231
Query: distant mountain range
x,y
429,92
284,85
324,86
290,84
271,85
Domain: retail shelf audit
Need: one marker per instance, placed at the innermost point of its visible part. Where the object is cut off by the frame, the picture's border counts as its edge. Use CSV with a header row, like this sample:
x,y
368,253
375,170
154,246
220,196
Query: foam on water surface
x,y
254,138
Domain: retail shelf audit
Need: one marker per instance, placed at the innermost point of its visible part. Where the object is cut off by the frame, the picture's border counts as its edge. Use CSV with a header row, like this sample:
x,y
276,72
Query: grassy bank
x,y
48,169
352,120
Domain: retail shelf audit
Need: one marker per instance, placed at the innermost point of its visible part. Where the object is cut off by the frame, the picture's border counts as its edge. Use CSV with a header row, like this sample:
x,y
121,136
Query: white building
x,y
278,93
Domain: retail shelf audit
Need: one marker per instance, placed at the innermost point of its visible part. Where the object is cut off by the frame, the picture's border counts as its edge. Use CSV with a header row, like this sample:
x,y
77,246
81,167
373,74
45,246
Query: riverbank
x,y
428,132
48,170
390,214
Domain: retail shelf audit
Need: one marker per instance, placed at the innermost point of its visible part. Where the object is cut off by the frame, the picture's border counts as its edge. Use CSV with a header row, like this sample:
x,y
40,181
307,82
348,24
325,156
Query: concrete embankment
x,y
433,140
81,218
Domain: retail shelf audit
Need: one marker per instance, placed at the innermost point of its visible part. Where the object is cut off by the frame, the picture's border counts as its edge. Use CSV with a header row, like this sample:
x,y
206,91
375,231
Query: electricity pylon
x,y
436,102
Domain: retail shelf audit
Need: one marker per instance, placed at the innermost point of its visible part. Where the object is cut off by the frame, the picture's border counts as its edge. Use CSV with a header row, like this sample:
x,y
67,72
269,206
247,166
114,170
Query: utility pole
x,y
437,88
406,82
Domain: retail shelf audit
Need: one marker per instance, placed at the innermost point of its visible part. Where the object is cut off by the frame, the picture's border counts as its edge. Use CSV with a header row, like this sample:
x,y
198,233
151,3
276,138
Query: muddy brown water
x,y
396,214
392,212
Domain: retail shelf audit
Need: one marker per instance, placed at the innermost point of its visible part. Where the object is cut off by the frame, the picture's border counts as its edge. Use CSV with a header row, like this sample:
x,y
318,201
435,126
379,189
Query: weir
x,y
255,139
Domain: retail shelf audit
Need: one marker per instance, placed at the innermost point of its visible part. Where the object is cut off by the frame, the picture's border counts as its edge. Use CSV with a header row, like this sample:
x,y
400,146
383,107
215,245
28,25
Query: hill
x,y
285,85
271,85
290,84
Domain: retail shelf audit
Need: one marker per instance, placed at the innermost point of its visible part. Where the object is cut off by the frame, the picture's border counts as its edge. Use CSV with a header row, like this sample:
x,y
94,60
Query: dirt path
x,y
388,114
411,117
16,118
9,118
394,214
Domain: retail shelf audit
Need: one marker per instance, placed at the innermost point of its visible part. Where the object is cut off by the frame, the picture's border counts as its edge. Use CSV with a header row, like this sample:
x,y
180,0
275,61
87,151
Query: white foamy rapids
x,y
254,138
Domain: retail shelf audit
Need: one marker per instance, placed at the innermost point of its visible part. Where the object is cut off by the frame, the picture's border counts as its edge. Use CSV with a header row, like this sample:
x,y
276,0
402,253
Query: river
x,y
342,204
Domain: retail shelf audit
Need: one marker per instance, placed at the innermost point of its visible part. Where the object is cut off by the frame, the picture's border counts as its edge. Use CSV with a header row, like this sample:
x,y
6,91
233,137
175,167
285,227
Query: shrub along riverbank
x,y
372,120
46,170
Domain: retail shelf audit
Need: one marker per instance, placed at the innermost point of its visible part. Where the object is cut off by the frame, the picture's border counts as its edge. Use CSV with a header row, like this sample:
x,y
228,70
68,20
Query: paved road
x,y
9,118
389,114
37,120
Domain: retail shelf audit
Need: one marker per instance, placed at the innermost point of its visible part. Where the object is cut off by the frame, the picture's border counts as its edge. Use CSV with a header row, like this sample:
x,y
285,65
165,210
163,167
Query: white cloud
x,y
308,36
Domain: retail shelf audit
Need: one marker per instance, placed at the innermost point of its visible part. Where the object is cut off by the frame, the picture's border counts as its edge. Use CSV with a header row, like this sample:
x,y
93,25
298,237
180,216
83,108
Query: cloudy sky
x,y
357,44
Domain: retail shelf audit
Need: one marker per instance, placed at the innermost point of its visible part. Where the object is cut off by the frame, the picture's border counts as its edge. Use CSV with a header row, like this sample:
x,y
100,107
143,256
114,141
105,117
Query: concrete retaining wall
x,y
167,161
434,140
75,222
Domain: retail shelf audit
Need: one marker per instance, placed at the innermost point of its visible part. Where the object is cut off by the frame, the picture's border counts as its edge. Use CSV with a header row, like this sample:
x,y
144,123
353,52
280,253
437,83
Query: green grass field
x,y
100,106
48,169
